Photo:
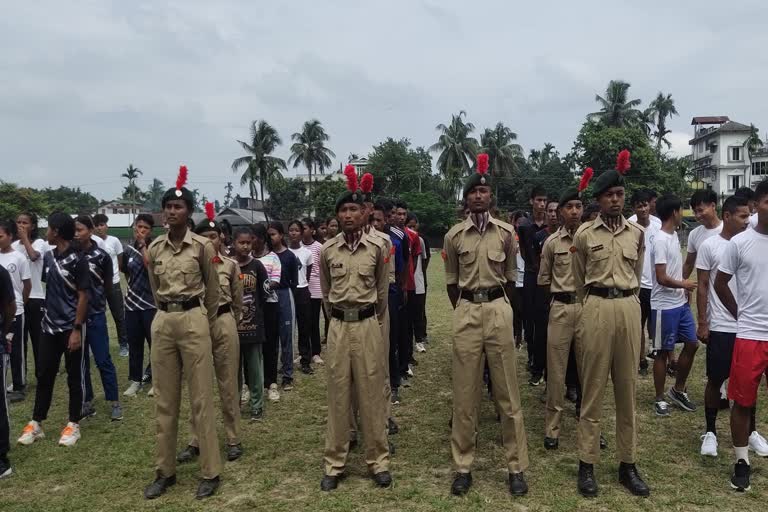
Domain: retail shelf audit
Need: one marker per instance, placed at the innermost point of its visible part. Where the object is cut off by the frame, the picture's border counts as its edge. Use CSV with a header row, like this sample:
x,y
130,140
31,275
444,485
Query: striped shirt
x,y
274,269
139,296
64,275
100,268
314,276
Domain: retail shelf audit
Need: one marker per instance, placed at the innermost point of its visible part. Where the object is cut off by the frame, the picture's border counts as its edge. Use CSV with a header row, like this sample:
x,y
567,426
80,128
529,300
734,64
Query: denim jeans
x,y
285,330
97,342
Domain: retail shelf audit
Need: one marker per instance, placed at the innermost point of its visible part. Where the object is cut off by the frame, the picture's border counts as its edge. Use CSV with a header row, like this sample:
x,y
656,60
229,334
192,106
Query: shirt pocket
x,y
367,275
467,258
497,258
562,265
598,262
630,254
191,274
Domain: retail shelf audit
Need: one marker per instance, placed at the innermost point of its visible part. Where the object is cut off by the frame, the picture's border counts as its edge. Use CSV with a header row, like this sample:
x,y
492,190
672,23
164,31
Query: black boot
x,y
517,484
551,443
461,484
630,478
188,454
329,482
587,482
383,479
603,442
392,427
207,487
234,452
159,486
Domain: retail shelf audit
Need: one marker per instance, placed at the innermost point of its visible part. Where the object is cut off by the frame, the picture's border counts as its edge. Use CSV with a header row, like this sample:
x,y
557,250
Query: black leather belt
x,y
178,307
564,297
610,293
353,315
225,308
479,296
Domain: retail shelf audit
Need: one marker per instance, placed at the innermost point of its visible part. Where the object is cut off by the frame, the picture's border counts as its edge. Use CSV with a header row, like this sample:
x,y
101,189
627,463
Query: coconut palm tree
x,y
503,154
260,166
308,149
616,111
228,196
457,149
661,108
132,174
753,142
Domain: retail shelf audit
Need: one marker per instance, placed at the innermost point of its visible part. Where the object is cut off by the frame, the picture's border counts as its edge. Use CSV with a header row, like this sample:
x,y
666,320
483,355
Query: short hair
x,y
640,196
33,233
145,217
297,223
225,226
308,222
652,193
706,196
277,226
399,203
667,205
538,191
243,230
590,210
731,204
63,224
100,218
761,190
331,219
85,220
411,217
384,205
517,214
259,231
745,192
9,227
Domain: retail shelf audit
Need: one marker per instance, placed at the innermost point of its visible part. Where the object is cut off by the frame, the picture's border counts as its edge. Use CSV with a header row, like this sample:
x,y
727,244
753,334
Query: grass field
x,y
282,466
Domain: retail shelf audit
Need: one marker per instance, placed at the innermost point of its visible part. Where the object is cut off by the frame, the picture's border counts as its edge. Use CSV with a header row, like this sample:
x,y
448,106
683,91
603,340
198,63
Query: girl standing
x,y
301,295
315,293
272,266
288,280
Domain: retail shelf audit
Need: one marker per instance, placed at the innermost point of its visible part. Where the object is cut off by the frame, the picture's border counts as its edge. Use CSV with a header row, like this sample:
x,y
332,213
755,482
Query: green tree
x,y
260,166
435,214
69,200
753,142
616,110
15,200
228,196
456,150
287,199
154,196
504,156
396,167
661,108
131,174
324,196
309,149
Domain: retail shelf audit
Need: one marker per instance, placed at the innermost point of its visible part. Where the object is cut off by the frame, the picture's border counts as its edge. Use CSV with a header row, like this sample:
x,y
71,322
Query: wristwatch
x,y
78,327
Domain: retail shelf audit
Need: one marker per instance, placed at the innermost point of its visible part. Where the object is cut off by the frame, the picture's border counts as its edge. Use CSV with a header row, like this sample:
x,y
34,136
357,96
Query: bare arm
x,y
27,288
664,280
453,294
75,337
688,266
723,292
702,299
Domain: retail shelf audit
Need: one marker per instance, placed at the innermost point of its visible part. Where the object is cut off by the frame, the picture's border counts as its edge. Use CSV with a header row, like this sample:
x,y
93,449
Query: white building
x,y
720,157
360,165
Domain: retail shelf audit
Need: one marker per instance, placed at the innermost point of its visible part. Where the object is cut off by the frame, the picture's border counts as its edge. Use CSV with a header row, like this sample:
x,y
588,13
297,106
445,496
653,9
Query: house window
x,y
734,154
702,145
759,168
114,210
735,182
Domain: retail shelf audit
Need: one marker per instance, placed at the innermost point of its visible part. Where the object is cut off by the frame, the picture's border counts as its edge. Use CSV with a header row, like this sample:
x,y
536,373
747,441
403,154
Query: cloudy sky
x,y
87,87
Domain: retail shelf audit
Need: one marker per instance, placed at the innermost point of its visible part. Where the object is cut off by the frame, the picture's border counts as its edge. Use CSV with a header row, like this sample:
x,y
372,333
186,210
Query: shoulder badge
x,y
573,249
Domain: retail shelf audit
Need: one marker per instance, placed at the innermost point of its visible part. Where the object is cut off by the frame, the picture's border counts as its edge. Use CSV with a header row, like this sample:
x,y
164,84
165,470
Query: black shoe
x,y
257,415
159,486
383,479
5,468
16,396
405,382
643,369
551,443
536,379
603,442
571,395
395,397
88,410
391,447
517,484
461,484
630,478
188,454
587,482
329,483
725,404
413,362
392,427
740,478
234,451
207,487
307,370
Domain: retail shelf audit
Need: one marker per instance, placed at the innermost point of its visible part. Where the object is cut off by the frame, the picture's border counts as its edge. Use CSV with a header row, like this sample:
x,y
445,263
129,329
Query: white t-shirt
x,y
666,250
655,221
114,248
418,272
646,280
708,257
35,267
18,267
700,234
753,221
520,270
745,260
304,256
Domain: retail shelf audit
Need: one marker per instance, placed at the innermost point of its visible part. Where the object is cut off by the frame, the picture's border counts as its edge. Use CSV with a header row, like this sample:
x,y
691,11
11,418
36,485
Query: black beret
x,y
475,180
183,193
348,196
608,179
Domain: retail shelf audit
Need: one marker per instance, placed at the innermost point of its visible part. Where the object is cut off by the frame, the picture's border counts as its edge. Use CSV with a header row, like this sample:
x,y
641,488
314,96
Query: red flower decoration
x,y
216,259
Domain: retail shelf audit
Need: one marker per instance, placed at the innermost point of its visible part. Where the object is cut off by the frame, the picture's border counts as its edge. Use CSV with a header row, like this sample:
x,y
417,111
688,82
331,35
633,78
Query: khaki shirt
x,y
555,267
351,280
178,274
608,259
476,261
230,285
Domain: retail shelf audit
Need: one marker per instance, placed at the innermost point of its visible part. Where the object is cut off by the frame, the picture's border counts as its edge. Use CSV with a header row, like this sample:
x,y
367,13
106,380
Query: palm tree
x,y
661,108
260,165
308,149
131,174
503,154
228,196
155,195
457,149
616,111
538,159
753,142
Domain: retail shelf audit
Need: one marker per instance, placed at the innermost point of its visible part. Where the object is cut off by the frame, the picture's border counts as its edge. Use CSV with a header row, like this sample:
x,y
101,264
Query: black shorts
x,y
645,310
719,355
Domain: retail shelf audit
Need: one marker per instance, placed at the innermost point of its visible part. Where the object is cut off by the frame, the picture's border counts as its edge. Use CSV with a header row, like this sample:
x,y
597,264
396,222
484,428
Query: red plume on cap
x,y
482,163
588,172
181,179
366,183
209,212
351,174
622,162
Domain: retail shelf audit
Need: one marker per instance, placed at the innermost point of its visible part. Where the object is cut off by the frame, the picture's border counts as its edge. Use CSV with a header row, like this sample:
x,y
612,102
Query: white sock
x,y
742,452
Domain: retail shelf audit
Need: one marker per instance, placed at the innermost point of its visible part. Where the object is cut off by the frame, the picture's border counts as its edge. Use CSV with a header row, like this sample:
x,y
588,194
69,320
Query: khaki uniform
x,y
226,348
181,341
474,262
555,271
608,339
355,361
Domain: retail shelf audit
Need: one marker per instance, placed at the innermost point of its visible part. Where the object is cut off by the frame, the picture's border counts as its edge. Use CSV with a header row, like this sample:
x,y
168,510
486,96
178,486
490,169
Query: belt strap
x,y
479,296
224,308
610,293
353,315
177,307
564,297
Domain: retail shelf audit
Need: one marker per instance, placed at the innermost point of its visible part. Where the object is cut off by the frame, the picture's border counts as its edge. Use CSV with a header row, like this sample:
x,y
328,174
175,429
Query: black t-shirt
x,y
64,274
527,235
100,267
289,275
253,275
7,297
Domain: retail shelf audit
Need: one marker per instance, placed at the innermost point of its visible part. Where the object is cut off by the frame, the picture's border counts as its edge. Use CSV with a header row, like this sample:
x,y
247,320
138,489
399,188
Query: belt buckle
x,y
351,315
482,296
614,293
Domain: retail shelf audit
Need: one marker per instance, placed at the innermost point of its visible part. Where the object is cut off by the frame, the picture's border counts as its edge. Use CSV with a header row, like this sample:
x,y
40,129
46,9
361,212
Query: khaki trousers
x,y
387,390
480,331
608,342
226,364
181,342
561,332
357,369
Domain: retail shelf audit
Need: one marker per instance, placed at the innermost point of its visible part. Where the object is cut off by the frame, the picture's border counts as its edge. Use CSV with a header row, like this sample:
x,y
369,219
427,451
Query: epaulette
x,y
584,226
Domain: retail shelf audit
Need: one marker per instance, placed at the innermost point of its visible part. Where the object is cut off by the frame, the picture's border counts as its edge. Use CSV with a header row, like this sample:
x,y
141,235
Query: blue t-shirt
x,y
100,267
139,296
397,236
64,275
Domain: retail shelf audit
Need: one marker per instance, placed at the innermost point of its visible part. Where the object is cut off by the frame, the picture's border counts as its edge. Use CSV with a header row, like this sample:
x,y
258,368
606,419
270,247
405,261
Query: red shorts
x,y
750,362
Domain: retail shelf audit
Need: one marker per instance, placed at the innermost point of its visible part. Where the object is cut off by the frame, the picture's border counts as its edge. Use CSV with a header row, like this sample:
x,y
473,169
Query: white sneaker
x,y
419,347
31,433
709,445
151,391
758,444
273,394
317,360
132,389
70,435
297,360
245,395
410,371
724,391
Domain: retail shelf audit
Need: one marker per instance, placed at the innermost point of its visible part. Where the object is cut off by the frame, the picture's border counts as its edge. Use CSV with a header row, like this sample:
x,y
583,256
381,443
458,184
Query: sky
x,y
88,87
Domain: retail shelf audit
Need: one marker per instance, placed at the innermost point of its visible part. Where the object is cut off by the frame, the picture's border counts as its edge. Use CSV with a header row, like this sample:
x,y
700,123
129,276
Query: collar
x,y
622,224
468,223
563,233
352,240
186,240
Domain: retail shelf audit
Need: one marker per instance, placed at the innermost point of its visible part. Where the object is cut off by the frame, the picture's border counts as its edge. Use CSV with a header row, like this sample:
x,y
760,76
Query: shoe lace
x,y
708,436
662,404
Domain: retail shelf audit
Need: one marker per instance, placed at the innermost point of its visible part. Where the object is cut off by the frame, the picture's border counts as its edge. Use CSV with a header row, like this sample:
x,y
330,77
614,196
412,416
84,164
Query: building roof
x,y
709,120
733,126
727,127
241,217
